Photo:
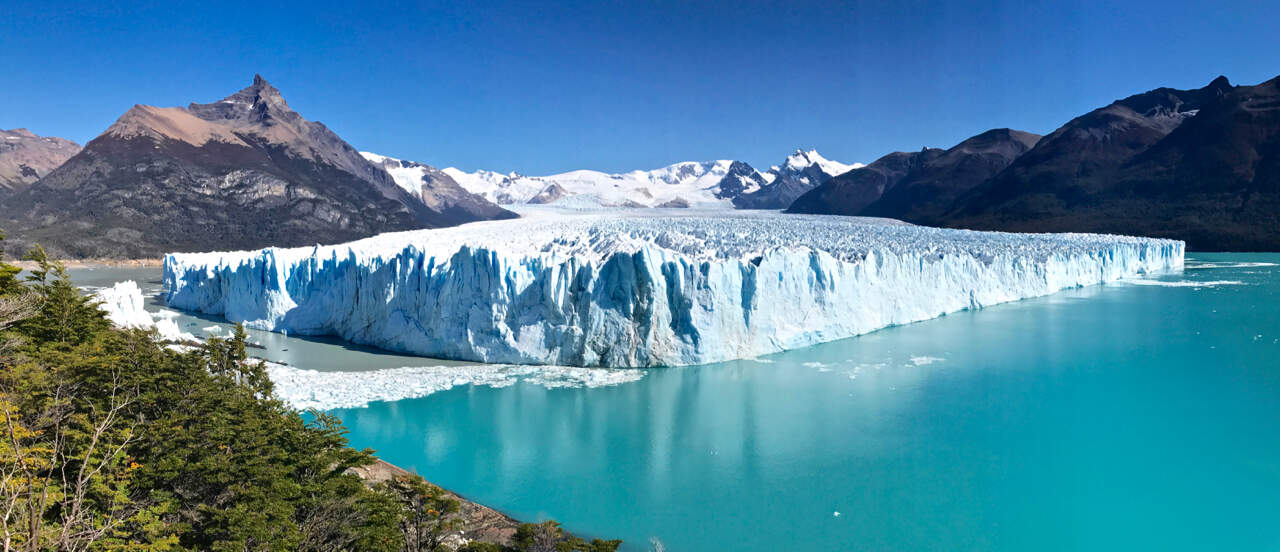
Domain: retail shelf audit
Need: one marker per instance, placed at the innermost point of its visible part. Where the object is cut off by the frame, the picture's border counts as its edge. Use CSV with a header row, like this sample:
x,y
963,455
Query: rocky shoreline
x,y
478,522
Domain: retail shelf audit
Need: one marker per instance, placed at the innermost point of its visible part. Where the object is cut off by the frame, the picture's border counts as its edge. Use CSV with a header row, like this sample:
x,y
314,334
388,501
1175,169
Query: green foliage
x,y
182,450
9,284
66,317
426,514
549,537
114,442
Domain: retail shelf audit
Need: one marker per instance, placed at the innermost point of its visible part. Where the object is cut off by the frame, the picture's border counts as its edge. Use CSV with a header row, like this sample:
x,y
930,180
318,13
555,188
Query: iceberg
x,y
124,306
642,288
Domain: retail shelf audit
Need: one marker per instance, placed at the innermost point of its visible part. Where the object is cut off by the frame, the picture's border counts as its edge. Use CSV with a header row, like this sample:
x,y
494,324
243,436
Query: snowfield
x,y
698,184
695,183
640,288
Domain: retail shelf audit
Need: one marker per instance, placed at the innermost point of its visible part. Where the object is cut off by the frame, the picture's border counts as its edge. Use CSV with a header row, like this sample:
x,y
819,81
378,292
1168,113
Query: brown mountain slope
x,y
244,172
26,157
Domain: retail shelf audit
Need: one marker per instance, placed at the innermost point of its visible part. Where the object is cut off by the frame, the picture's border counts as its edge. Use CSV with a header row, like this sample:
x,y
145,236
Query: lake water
x,y
1119,417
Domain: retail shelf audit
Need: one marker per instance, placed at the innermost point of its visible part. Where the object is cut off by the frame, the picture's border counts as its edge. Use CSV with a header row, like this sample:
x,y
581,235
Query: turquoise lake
x,y
1115,417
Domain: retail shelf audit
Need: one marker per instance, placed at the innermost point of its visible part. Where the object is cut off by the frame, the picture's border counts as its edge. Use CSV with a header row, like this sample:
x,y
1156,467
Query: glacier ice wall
x,y
642,289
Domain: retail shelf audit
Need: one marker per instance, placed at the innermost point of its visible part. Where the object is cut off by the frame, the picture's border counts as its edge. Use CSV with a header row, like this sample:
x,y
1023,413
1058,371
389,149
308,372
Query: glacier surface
x,y
642,288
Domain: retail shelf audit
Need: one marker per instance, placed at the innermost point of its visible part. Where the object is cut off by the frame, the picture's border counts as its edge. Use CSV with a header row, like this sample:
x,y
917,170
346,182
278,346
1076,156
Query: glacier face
x,y
642,287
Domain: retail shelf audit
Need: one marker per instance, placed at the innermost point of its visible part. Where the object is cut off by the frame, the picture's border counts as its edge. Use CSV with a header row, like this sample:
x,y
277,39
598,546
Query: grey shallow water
x,y
1116,417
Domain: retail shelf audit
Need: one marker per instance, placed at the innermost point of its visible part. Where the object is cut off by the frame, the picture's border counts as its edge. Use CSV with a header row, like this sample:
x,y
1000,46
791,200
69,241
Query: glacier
x,y
641,288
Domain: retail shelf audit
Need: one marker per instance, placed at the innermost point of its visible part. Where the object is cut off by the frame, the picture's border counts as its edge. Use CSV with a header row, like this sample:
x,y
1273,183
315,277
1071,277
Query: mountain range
x,y
1199,165
722,183
917,186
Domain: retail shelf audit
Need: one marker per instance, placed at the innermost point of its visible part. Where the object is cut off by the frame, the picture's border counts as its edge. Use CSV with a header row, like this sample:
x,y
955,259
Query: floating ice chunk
x,y
169,331
925,360
124,305
634,288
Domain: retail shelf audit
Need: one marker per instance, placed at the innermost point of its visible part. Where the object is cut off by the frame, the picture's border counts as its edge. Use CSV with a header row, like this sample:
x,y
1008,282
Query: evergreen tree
x,y
110,441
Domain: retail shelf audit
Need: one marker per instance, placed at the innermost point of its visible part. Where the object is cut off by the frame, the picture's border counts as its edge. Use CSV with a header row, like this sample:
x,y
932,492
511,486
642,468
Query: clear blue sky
x,y
544,87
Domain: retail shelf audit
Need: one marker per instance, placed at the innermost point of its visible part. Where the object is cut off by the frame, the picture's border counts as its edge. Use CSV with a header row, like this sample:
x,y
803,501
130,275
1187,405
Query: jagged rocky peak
x,y
256,103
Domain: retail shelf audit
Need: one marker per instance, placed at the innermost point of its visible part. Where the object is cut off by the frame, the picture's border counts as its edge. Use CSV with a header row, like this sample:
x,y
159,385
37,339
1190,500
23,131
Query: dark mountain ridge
x,y
917,187
1199,165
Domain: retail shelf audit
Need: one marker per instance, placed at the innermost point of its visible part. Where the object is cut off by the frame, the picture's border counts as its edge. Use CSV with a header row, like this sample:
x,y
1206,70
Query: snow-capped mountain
x,y
722,183
437,190
802,171
802,161
688,184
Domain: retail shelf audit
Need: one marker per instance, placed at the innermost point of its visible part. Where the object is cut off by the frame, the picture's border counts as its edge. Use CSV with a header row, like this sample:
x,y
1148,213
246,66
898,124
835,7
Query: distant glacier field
x,y
642,288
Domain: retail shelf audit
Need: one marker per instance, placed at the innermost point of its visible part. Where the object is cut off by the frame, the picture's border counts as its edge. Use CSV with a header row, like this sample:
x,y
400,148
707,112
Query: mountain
x,y
930,190
802,171
1199,165
709,184
25,157
240,173
919,186
438,191
853,191
688,184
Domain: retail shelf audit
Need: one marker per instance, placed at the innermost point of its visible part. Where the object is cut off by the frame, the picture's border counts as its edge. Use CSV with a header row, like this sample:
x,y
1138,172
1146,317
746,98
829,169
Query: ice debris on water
x,y
305,389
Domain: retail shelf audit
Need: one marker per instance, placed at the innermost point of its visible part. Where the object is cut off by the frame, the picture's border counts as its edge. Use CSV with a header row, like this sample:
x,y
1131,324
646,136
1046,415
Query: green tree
x,y
66,316
548,536
426,513
9,283
111,441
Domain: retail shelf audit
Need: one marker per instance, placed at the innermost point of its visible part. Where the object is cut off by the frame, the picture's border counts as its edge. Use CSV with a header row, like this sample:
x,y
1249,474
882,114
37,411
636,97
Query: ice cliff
x,y
648,288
